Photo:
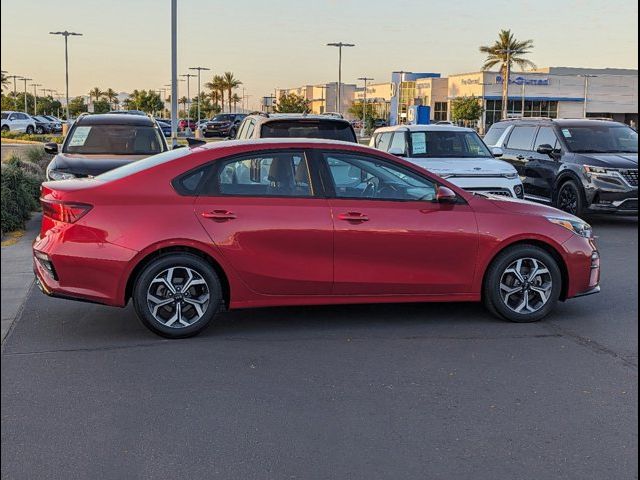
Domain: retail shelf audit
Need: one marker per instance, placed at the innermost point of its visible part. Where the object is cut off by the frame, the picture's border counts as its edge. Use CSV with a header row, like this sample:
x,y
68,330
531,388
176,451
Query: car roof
x,y
562,122
264,118
424,128
280,143
107,119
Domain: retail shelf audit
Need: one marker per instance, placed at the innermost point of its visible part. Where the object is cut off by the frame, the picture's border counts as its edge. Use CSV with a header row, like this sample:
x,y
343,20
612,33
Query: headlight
x,y
511,175
578,227
58,175
599,170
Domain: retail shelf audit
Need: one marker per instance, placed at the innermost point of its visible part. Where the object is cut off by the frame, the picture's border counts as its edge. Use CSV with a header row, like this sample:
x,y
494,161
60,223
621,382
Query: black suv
x,y
292,125
579,166
224,124
98,143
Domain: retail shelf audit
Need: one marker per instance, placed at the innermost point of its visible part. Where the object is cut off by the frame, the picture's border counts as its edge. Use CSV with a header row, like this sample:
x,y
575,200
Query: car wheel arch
x,y
546,246
174,248
565,176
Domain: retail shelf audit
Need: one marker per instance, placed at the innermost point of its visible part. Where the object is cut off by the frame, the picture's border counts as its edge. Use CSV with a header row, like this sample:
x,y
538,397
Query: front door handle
x,y
219,215
354,217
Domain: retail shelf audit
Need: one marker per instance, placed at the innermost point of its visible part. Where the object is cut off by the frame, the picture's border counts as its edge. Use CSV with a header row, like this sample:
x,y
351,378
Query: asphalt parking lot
x,y
375,392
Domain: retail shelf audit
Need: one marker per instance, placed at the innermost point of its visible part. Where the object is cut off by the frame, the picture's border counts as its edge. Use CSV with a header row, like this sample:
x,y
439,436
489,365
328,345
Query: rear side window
x,y
494,133
323,129
521,138
399,142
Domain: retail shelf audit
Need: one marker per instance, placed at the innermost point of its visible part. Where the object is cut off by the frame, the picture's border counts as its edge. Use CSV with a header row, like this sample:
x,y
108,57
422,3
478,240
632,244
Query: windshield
x,y
5,116
324,129
601,139
448,144
115,140
223,118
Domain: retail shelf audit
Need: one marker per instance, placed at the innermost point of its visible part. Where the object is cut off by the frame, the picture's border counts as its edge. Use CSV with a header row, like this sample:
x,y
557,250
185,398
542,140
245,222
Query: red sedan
x,y
190,232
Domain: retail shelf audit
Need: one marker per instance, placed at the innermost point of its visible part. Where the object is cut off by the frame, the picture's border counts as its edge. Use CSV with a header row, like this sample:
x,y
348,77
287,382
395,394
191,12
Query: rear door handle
x,y
219,215
354,217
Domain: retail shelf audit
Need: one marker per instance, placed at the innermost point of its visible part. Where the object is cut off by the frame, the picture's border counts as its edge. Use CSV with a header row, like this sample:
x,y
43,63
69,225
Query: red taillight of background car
x,y
64,212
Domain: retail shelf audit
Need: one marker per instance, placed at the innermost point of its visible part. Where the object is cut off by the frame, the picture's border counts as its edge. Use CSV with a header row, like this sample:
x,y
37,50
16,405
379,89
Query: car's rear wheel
x,y
523,284
29,129
570,198
177,295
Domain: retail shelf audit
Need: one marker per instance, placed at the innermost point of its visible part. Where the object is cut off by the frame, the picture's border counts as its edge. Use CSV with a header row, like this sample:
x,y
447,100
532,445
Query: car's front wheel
x,y
5,128
523,284
39,130
177,295
30,129
570,198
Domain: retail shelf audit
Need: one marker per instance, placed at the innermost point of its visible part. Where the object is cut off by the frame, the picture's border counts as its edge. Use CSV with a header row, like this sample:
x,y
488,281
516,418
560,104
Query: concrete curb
x,y
17,275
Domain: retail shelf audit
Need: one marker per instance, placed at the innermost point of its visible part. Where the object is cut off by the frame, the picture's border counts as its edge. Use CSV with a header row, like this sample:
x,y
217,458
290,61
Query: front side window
x,y
601,139
399,143
546,136
384,140
360,177
521,138
114,140
278,174
448,144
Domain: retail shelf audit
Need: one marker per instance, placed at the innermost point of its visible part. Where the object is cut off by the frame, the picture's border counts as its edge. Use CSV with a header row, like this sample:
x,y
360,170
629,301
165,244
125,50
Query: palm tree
x,y
183,101
218,85
506,51
215,97
95,92
230,83
110,95
5,82
235,99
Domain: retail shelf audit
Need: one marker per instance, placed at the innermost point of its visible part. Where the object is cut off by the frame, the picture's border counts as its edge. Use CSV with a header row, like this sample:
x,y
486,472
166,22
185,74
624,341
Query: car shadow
x,y
612,221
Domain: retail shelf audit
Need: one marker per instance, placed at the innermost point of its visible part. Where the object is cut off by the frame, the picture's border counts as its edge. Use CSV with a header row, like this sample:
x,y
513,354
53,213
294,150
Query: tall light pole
x,y
188,77
505,82
25,93
35,97
364,105
174,72
586,93
66,36
199,69
340,45
15,94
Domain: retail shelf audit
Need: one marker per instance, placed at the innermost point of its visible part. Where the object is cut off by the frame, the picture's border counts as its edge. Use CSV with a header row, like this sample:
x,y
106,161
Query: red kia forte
x,y
190,232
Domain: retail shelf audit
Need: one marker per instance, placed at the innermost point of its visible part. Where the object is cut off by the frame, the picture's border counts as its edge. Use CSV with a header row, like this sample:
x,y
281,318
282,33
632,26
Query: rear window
x,y
144,164
114,140
494,133
324,129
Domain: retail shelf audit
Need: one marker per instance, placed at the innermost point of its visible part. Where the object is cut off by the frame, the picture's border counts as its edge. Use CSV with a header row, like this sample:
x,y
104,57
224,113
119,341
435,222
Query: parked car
x,y
17,122
43,125
56,123
126,112
224,125
379,122
98,143
183,123
292,125
165,127
444,122
579,166
455,153
192,231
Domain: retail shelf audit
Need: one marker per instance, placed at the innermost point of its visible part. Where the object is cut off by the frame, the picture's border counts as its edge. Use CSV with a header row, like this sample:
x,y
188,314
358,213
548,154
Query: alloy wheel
x,y
526,286
568,200
178,297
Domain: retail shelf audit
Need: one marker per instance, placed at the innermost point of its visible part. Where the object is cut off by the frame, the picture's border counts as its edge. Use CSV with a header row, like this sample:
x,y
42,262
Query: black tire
x,y
29,129
39,130
570,198
492,292
5,128
233,132
179,261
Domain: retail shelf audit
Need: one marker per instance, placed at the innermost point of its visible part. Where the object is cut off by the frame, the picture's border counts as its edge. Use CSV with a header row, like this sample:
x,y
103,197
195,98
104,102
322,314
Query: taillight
x,y
63,211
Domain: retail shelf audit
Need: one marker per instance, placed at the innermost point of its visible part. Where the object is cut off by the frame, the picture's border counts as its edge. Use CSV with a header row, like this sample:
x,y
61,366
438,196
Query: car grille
x,y
499,191
630,205
631,176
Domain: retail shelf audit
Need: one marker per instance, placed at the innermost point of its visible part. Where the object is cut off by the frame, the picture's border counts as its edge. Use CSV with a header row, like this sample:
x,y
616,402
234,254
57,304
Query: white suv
x,y
17,122
455,153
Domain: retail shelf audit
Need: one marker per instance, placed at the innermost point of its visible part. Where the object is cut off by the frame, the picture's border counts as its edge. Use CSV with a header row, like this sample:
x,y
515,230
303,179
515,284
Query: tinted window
x,y
356,176
22,116
5,116
384,140
601,139
326,129
114,140
144,164
448,144
494,133
188,184
521,138
282,174
223,118
546,136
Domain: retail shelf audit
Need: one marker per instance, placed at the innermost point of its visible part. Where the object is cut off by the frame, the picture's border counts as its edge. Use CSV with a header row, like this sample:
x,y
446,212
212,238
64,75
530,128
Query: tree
x,y
146,101
95,93
466,109
292,103
506,51
356,110
5,83
183,101
231,83
235,99
217,84
101,106
111,95
77,106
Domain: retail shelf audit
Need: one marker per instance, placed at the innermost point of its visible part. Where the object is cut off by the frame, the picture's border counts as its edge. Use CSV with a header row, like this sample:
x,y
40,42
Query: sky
x,y
126,44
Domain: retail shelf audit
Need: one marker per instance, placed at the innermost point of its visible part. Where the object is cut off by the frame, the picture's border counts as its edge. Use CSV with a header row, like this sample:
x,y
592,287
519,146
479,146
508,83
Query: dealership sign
x,y
524,81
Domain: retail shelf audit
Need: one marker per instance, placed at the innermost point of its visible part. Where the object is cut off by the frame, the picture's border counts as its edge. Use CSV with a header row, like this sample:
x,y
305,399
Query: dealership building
x,y
556,92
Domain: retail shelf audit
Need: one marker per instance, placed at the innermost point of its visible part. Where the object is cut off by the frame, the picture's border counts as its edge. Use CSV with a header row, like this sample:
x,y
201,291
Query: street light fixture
x,y
35,97
199,69
66,36
339,45
25,80
188,77
364,105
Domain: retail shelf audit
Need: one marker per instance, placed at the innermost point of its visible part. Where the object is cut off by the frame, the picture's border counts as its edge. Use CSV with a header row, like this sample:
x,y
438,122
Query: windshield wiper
x,y
591,151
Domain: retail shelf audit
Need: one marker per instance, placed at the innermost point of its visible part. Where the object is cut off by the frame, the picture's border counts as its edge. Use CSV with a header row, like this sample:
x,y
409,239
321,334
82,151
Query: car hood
x,y
464,166
612,160
91,165
526,207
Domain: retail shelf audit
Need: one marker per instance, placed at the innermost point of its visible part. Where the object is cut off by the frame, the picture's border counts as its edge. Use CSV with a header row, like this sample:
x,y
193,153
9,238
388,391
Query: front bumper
x,y
611,194
494,185
218,130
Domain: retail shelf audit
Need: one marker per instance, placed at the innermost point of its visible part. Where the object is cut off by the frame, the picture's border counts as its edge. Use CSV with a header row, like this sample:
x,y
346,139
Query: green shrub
x,y
29,167
20,192
33,137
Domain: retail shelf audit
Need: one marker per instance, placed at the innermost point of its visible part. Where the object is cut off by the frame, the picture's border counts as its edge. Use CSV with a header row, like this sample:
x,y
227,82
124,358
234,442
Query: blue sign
x,y
419,115
524,81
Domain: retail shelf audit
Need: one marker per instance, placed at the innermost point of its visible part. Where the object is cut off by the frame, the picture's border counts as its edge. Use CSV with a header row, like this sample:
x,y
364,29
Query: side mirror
x,y
545,149
446,195
397,151
51,148
497,152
